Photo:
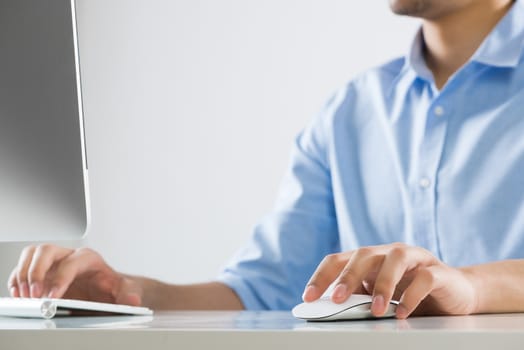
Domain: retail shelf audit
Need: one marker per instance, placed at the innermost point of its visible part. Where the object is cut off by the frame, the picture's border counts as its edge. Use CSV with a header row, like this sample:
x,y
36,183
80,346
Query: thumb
x,y
129,293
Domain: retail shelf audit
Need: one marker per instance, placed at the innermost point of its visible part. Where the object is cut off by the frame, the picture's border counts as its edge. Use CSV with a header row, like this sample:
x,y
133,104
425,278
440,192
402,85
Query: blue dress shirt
x,y
390,158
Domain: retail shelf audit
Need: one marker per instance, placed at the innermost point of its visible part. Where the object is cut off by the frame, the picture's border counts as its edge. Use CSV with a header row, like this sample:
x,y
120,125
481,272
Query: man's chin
x,y
413,8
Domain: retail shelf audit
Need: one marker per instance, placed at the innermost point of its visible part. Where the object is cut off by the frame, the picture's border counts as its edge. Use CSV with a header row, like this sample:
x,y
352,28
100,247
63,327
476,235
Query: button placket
x,y
438,111
424,183
430,154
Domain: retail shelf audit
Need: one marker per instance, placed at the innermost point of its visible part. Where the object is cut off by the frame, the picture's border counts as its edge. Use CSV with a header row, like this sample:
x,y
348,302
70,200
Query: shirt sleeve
x,y
271,271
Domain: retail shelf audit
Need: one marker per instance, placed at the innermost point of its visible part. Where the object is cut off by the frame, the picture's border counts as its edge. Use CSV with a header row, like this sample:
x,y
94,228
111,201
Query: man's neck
x,y
452,39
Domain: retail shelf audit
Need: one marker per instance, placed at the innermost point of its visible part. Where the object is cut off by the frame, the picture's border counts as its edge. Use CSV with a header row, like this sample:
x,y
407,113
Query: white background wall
x,y
191,107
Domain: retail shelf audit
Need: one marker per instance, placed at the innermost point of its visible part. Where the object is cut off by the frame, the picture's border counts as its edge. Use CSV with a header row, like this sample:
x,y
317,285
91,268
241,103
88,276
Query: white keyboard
x,y
49,308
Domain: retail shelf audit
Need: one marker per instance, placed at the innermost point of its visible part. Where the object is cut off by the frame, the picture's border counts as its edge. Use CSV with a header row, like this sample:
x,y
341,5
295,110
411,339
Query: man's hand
x,y
56,272
411,275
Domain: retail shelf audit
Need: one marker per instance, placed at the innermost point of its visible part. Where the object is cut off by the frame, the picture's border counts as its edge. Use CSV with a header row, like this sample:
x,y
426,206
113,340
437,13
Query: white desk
x,y
261,330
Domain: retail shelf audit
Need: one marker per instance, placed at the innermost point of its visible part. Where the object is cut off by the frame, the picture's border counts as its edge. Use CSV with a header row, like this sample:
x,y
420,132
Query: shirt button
x,y
424,182
439,111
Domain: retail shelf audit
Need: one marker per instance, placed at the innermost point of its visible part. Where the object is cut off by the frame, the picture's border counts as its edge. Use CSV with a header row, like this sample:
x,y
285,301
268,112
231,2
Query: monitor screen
x,y
43,167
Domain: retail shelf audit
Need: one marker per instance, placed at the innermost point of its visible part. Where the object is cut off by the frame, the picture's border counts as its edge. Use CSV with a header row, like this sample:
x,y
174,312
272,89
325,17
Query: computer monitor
x,y
43,166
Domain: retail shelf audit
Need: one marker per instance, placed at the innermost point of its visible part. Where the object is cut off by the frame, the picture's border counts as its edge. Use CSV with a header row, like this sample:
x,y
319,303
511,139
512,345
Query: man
x,y
427,150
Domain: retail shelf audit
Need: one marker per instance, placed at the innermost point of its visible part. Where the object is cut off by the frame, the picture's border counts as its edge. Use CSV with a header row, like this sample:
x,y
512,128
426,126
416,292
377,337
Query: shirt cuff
x,y
244,291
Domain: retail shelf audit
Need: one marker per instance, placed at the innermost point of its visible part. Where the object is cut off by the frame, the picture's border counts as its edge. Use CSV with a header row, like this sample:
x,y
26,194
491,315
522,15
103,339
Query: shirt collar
x,y
503,46
414,66
415,58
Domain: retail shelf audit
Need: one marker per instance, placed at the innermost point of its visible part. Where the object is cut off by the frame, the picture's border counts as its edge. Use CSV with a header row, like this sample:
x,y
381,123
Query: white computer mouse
x,y
357,307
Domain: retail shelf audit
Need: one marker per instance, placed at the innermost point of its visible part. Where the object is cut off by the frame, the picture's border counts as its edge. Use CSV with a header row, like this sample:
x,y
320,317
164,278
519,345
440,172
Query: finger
x,y
326,272
12,284
44,257
397,262
361,264
424,282
23,266
79,262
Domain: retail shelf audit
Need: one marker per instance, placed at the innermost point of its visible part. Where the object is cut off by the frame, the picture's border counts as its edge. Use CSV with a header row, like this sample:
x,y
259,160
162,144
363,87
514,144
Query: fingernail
x,y
402,312
378,305
14,292
134,299
53,293
35,290
308,292
24,290
340,292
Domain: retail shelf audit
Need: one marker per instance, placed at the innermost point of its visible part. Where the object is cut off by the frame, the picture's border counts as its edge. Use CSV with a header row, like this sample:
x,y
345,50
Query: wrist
x,y
160,296
476,284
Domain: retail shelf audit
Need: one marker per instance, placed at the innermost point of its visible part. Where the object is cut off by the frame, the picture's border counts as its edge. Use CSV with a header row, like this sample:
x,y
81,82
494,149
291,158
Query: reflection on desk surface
x,y
272,320
72,322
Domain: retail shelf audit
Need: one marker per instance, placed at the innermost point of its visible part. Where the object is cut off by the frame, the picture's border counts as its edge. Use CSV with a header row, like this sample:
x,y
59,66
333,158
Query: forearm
x,y
499,286
203,296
